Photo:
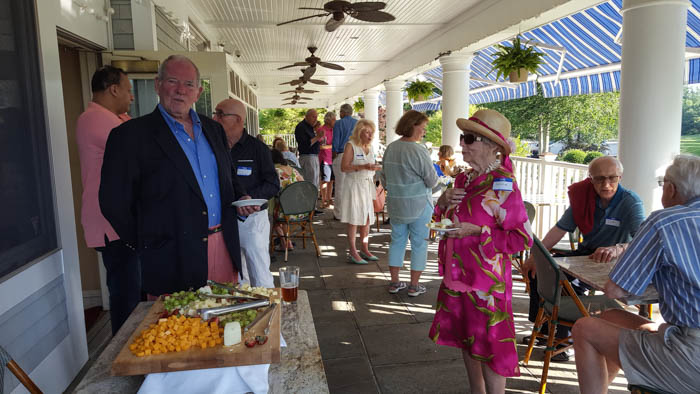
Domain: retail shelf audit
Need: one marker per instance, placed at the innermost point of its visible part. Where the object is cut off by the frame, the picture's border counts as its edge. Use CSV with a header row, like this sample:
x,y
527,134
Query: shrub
x,y
574,156
590,156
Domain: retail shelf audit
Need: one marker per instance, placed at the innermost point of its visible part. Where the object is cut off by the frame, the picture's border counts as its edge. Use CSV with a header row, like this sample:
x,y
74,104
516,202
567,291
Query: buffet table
x,y
301,368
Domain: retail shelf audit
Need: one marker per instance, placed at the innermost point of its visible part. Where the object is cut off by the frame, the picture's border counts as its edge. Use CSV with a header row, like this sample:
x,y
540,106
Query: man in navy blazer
x,y
167,188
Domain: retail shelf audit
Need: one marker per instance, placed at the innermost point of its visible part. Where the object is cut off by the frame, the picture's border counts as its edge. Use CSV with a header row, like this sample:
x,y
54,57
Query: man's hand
x,y
466,229
613,291
248,209
529,269
606,254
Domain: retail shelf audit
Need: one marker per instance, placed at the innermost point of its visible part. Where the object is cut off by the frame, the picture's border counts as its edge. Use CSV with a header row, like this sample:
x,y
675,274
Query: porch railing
x,y
288,138
544,183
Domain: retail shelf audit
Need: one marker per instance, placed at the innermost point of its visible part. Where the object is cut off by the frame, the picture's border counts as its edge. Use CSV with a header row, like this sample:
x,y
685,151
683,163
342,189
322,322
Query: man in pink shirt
x,y
111,97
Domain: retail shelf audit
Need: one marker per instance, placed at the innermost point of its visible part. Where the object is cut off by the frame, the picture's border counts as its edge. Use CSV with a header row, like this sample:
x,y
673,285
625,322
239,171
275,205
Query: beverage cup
x,y
289,282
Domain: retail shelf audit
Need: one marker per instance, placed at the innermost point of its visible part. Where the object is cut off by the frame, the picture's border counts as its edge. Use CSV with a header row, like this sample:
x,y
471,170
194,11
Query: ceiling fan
x,y
303,80
297,97
368,11
294,102
311,62
299,89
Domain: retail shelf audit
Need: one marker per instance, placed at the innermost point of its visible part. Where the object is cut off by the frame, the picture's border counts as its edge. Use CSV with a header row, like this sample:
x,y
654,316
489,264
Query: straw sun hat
x,y
490,124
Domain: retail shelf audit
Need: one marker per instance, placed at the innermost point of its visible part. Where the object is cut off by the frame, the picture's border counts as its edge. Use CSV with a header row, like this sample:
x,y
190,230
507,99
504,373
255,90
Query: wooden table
x,y
596,275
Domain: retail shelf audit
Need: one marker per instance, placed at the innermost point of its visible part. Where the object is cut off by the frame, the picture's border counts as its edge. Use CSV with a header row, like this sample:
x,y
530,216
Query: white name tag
x,y
503,185
244,171
612,222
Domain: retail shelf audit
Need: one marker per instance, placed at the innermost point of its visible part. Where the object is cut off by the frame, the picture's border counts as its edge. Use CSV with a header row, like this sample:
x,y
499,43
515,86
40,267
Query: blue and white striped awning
x,y
427,106
591,63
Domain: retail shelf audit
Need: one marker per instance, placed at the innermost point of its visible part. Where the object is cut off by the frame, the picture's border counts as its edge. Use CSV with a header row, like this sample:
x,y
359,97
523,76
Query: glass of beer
x,y
289,282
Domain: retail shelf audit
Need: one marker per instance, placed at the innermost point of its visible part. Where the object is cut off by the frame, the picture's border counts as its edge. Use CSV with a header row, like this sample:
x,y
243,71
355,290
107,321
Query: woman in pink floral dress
x,y
474,310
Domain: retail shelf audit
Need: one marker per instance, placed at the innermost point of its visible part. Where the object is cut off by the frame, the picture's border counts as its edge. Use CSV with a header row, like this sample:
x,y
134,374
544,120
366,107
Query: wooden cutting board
x,y
127,363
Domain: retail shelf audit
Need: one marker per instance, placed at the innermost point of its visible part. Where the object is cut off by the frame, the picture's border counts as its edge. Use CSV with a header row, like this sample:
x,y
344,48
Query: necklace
x,y
473,175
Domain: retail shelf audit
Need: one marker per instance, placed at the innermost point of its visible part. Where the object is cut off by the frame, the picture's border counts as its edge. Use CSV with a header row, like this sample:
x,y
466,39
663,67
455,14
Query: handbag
x,y
380,199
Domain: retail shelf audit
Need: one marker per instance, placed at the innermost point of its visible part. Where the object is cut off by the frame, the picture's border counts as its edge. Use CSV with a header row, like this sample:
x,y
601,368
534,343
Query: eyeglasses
x,y
469,139
613,179
222,114
661,181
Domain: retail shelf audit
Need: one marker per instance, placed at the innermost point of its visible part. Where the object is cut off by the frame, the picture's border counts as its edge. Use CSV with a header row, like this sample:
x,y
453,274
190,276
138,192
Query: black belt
x,y
215,230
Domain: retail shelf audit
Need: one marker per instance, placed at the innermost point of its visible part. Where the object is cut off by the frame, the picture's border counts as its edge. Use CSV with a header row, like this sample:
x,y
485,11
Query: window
x,y
27,224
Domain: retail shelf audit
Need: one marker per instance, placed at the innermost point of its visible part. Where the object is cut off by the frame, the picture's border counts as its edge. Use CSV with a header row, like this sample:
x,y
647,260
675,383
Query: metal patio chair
x,y
297,203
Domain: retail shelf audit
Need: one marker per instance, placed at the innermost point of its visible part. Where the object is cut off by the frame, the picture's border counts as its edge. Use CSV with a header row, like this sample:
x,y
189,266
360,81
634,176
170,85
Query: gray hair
x,y
177,58
329,116
684,172
346,109
600,159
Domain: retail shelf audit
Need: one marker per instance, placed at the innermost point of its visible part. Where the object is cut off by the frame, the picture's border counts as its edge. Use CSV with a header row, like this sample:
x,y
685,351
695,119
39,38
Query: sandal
x,y
395,287
414,291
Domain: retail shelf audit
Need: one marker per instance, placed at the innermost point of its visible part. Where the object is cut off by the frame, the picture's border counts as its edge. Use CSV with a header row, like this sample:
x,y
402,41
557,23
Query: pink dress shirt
x,y
92,130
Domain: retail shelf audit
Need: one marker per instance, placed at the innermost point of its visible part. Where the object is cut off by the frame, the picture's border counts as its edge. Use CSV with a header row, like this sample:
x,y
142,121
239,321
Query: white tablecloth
x,y
229,380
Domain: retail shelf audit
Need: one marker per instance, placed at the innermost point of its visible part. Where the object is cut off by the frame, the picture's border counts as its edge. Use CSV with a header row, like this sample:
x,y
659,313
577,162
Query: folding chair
x,y
520,259
297,203
6,360
554,309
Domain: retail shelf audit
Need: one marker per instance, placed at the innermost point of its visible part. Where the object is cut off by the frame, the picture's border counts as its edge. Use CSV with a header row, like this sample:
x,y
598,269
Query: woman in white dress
x,y
356,207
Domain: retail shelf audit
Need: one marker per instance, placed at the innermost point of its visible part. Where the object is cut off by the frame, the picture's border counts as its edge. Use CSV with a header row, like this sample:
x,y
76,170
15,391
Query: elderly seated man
x,y
665,252
607,214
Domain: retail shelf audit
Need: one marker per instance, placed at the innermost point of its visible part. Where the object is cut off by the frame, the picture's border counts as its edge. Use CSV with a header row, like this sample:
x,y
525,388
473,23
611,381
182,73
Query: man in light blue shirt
x,y
341,134
665,252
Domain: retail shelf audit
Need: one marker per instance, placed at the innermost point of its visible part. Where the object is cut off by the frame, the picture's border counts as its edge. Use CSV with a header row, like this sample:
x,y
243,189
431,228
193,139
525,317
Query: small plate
x,y
443,230
253,201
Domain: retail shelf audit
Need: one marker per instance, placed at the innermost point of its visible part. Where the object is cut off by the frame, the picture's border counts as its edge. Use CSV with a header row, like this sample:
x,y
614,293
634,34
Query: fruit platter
x,y
217,325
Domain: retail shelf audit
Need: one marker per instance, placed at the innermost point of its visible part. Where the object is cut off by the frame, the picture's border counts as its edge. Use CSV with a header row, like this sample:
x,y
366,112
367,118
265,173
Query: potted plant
x,y
419,90
516,61
359,105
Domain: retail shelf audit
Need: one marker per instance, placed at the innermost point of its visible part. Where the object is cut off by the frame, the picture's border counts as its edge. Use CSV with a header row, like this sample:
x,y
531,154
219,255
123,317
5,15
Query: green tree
x,y
433,131
283,120
691,112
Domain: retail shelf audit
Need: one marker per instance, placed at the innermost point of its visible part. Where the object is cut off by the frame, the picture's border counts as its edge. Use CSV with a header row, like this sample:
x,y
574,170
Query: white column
x,y
394,107
371,99
143,19
455,95
653,54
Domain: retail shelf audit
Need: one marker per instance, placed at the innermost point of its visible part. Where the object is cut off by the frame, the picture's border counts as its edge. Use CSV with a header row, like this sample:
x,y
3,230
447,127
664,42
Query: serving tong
x,y
208,313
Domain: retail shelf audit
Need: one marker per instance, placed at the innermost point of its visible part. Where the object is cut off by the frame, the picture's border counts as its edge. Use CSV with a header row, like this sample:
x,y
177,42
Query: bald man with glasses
x,y
608,216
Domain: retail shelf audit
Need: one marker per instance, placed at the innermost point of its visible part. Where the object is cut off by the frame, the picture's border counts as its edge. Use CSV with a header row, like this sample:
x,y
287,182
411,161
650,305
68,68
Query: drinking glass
x,y
289,282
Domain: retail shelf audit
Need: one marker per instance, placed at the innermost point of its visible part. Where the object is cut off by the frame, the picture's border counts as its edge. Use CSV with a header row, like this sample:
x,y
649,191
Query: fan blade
x,y
333,24
305,98
296,82
309,72
309,8
373,16
297,64
331,66
318,82
337,6
301,19
288,91
309,91
368,6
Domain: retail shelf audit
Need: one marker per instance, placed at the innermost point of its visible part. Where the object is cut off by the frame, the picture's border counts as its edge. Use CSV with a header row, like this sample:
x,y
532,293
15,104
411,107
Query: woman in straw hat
x,y
474,309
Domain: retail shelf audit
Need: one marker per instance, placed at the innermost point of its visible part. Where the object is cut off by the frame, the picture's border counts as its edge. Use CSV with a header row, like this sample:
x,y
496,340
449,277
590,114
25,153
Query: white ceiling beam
x,y
487,23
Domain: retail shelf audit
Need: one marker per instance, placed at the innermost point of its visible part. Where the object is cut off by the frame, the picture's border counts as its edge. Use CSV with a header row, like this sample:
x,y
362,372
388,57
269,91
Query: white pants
x,y
339,177
254,236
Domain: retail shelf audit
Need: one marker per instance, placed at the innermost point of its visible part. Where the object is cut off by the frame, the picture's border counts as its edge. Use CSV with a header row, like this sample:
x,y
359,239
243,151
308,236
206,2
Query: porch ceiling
x,y
370,52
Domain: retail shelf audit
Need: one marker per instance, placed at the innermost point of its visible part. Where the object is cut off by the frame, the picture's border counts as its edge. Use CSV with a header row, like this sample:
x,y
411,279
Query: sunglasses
x,y
469,139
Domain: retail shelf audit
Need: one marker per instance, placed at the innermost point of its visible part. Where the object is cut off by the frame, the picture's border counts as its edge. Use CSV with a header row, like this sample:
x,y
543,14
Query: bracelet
x,y
621,245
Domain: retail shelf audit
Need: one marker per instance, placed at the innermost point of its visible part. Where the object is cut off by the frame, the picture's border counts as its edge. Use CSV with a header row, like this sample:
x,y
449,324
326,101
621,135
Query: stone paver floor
x,y
373,341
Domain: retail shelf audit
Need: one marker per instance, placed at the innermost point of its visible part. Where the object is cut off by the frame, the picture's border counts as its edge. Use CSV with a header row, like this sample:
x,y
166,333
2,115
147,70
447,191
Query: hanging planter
x,y
419,90
359,105
516,61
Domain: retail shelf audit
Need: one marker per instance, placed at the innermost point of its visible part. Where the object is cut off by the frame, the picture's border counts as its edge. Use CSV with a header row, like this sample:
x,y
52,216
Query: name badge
x,y
503,185
245,161
244,171
612,222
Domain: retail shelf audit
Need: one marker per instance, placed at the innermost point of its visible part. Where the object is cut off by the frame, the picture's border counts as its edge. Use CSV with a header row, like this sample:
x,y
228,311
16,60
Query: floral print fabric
x,y
474,310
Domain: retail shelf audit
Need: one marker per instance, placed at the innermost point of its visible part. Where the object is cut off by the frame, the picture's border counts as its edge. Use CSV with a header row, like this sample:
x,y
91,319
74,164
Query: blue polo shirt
x,y
341,133
612,225
202,161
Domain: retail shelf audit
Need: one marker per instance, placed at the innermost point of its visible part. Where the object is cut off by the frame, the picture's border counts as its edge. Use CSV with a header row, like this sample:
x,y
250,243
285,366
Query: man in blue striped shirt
x,y
665,252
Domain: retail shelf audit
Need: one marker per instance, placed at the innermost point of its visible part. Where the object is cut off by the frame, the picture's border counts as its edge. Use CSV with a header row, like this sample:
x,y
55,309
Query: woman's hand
x,y
451,196
466,229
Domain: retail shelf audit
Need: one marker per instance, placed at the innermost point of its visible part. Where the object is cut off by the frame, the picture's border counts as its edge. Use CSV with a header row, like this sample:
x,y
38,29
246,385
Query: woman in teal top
x,y
408,177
